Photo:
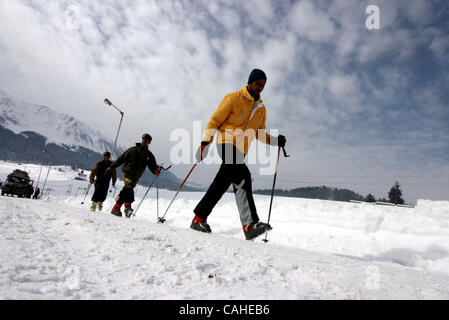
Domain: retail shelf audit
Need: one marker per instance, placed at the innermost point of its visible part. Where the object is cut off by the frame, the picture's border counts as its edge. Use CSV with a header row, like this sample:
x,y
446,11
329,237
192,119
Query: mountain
x,y
58,128
27,129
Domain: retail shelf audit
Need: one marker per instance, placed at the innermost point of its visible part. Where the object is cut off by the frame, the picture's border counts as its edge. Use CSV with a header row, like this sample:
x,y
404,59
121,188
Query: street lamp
x,y
121,118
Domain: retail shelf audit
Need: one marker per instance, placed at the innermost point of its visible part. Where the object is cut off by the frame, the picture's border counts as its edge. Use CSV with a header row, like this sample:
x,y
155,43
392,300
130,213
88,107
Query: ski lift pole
x,y
162,219
274,184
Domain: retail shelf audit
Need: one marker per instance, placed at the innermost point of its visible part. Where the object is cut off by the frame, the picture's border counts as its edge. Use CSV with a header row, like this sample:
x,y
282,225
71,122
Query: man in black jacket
x,y
101,178
134,161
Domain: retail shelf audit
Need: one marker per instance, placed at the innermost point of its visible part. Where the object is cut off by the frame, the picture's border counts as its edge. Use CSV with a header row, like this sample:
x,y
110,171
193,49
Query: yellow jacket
x,y
239,120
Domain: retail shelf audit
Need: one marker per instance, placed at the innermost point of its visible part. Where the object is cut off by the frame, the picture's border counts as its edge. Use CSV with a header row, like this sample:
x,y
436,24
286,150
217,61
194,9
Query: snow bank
x,y
51,250
415,237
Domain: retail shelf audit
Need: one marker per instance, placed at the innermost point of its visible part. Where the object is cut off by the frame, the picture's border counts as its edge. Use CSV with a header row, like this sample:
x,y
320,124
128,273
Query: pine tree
x,y
370,198
395,194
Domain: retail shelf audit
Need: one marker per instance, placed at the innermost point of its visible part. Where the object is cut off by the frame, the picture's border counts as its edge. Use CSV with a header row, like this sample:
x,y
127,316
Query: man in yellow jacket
x,y
238,120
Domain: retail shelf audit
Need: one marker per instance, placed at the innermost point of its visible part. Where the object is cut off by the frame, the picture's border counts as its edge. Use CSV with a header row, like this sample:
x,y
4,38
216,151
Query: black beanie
x,y
256,74
147,137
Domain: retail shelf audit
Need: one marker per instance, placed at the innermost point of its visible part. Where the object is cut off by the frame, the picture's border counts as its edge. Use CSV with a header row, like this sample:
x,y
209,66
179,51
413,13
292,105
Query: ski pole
x,y
155,179
85,196
162,219
274,184
157,200
151,184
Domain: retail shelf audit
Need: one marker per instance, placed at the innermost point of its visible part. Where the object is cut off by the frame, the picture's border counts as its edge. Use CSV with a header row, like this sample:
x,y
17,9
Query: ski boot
x,y
128,210
254,230
100,206
201,225
93,206
116,210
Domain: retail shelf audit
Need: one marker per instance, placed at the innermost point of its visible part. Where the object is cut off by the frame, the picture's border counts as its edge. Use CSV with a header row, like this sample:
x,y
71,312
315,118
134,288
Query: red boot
x,y
116,210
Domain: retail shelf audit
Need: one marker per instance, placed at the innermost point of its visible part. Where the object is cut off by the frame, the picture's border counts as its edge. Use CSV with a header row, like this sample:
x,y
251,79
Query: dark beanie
x,y
146,136
256,74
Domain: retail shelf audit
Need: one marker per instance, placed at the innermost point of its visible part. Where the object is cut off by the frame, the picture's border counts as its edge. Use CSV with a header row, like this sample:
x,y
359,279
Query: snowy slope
x,y
59,128
56,248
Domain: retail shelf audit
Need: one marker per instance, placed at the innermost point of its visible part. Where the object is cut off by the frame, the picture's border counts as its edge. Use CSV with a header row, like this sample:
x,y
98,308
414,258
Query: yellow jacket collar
x,y
244,92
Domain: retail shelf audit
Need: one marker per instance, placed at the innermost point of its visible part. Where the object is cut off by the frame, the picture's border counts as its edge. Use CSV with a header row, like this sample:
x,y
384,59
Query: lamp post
x,y
121,118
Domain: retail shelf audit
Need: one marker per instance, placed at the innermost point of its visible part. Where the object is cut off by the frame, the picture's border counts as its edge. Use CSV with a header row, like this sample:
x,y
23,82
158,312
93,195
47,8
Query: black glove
x,y
201,153
281,141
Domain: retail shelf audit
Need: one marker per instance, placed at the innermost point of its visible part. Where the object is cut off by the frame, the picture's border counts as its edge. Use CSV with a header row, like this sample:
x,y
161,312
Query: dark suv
x,y
18,183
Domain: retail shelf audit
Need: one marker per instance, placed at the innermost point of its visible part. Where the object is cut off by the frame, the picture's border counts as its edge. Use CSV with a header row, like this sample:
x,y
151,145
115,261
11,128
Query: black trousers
x,y
127,192
101,191
232,171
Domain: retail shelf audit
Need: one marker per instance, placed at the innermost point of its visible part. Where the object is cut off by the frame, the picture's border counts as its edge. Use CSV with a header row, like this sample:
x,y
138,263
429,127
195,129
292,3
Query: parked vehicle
x,y
18,183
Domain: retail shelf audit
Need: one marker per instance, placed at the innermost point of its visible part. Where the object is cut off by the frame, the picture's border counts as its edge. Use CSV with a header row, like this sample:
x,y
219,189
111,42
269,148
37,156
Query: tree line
x,y
394,195
327,193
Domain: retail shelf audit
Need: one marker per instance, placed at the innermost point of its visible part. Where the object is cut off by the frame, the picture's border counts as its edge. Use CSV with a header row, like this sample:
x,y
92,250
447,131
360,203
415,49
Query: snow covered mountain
x,y
58,128
27,129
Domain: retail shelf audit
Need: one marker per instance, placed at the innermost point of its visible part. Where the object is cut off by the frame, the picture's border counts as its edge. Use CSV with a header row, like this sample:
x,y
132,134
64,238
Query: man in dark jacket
x,y
134,161
101,178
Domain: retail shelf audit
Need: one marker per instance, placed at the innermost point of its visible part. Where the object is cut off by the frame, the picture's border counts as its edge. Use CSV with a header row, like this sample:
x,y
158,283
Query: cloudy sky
x,y
361,108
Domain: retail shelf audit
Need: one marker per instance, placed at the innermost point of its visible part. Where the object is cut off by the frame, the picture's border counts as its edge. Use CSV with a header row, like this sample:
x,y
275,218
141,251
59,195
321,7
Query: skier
x,y
135,159
36,193
102,181
239,112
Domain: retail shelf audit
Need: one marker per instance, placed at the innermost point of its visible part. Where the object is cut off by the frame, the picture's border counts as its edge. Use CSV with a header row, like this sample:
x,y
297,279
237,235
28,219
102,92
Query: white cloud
x,y
311,22
260,12
346,90
169,63
440,47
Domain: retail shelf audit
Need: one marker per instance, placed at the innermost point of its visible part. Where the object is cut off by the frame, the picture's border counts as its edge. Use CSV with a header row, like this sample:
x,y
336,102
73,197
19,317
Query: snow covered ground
x,y
55,248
